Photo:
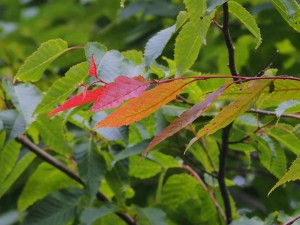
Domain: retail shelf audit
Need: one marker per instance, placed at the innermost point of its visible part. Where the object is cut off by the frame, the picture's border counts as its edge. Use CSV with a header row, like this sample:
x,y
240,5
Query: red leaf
x,y
142,106
186,118
122,89
93,68
82,98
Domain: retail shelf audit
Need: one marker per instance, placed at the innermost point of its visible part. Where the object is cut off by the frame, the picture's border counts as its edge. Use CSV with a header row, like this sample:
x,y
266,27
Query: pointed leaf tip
x,y
122,89
77,100
93,68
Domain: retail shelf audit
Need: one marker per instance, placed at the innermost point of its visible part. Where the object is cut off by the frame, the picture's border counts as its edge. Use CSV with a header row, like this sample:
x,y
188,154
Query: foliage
x,y
155,112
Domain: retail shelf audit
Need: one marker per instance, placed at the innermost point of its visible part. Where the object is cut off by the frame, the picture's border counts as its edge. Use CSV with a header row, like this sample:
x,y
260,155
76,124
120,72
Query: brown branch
x,y
290,222
228,41
25,141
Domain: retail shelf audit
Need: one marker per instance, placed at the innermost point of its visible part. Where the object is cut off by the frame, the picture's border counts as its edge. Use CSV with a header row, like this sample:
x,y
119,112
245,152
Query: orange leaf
x,y
186,118
142,106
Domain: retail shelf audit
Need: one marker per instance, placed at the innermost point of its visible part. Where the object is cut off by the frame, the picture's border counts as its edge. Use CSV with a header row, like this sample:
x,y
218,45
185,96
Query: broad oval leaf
x,y
77,100
142,106
63,87
246,18
186,118
122,89
212,4
156,44
34,67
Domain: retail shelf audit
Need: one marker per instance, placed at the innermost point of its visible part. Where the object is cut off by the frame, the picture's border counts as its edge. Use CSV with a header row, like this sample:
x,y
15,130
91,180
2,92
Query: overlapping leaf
x,y
36,64
122,89
234,109
63,87
82,98
185,118
142,106
195,8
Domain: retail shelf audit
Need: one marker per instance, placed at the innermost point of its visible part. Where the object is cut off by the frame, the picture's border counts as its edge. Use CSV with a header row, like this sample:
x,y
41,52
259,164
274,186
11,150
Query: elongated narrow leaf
x,y
15,173
187,46
77,100
142,106
156,44
51,130
91,165
25,97
36,64
93,68
63,87
292,175
37,187
195,8
234,109
8,158
246,18
186,118
284,106
122,89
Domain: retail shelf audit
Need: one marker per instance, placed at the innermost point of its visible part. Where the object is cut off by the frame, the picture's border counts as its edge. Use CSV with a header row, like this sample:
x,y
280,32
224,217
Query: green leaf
x,y
230,112
271,155
58,209
151,216
246,18
195,8
37,187
133,150
134,55
289,10
17,170
163,160
91,166
62,88
13,123
35,65
292,175
156,44
189,42
51,130
90,215
142,168
25,98
8,157
284,134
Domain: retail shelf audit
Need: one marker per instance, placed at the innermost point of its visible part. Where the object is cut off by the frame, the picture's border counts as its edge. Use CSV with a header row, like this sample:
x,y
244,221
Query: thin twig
x,y
25,141
212,197
266,112
290,222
